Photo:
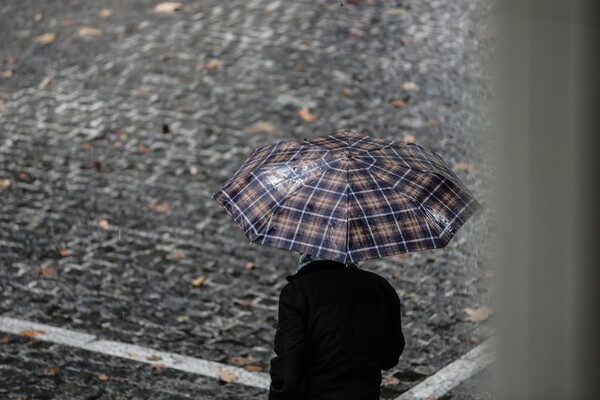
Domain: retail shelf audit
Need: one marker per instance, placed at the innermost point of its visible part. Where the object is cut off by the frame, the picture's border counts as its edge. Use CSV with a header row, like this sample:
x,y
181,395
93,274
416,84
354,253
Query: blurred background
x,y
120,119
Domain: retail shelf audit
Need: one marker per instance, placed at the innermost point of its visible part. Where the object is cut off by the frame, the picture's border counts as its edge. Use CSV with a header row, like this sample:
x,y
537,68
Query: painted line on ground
x,y
134,352
453,374
434,386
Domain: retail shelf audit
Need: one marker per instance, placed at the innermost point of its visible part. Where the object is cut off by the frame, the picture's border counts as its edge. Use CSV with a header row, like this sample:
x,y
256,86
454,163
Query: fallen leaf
x,y
5,183
64,252
212,64
104,224
179,255
260,127
408,138
410,86
97,165
22,176
7,74
249,265
389,380
347,92
106,13
398,103
245,303
227,376
433,122
89,31
158,366
478,314
142,148
199,281
32,333
86,146
395,11
132,354
299,66
2,103
474,340
161,207
431,398
253,368
241,361
103,378
67,22
193,170
5,339
47,80
183,318
305,115
37,17
154,357
47,270
51,370
143,25
168,7
404,41
462,166
46,38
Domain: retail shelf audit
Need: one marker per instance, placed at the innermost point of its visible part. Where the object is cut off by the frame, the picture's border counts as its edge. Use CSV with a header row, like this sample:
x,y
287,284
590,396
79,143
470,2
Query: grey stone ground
x,y
100,127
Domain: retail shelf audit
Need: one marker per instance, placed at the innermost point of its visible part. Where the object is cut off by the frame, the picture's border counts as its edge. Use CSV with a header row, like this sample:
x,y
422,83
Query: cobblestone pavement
x,y
115,134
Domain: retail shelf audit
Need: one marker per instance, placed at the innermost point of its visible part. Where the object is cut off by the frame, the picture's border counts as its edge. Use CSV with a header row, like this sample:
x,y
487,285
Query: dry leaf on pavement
x,y
32,333
398,103
5,183
212,64
347,92
64,252
51,370
390,380
46,38
104,224
106,13
7,74
199,281
47,270
305,115
168,7
89,31
154,357
158,366
410,86
462,166
227,376
478,314
260,127
103,378
161,207
253,368
179,254
241,361
408,138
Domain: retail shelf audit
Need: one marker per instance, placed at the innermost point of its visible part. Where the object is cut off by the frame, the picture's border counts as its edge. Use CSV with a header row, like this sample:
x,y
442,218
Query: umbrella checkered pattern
x,y
347,197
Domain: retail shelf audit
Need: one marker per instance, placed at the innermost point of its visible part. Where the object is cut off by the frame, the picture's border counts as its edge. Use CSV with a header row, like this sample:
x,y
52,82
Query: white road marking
x,y
432,387
133,352
453,374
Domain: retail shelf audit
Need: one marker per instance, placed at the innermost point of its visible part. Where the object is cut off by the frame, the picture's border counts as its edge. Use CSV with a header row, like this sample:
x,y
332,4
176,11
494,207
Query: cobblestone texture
x,y
77,110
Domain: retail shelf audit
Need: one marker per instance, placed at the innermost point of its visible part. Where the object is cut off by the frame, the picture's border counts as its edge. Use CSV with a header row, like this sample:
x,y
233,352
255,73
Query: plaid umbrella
x,y
347,197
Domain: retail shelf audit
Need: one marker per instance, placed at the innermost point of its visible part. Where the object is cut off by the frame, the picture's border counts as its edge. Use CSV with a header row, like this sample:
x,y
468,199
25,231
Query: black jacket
x,y
338,327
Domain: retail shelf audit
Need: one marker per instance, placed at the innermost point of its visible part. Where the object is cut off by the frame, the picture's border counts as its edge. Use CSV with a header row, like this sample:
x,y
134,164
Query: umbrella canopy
x,y
347,197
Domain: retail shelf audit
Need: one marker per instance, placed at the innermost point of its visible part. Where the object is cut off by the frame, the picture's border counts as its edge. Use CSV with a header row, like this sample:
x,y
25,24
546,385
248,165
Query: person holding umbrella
x,y
338,327
340,199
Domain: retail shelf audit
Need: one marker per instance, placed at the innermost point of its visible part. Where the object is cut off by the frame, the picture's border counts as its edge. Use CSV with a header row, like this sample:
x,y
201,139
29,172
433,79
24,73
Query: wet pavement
x,y
118,127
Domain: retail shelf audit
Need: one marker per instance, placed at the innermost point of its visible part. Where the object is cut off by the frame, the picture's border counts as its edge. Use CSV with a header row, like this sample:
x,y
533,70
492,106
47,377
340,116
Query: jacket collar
x,y
318,265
